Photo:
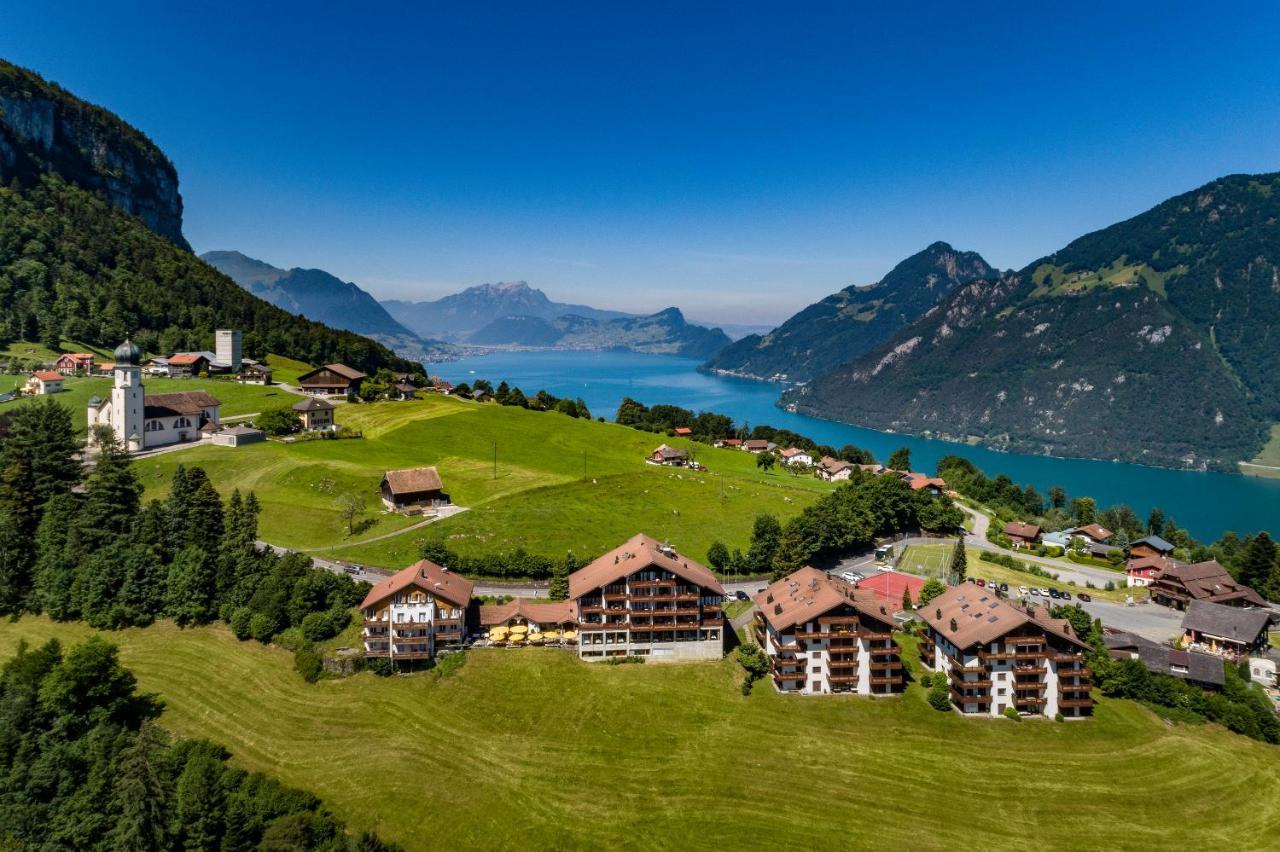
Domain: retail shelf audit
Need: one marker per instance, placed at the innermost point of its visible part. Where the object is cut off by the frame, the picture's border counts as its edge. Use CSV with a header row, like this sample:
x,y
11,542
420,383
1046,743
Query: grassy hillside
x,y
534,749
562,484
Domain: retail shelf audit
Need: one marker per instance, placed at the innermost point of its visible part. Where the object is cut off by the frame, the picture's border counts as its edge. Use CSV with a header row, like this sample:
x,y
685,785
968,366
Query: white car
x,y
1022,590
1045,593
1035,592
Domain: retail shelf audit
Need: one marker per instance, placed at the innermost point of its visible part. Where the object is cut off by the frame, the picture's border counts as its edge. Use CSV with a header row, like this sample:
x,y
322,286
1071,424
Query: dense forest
x,y
85,765
102,556
73,267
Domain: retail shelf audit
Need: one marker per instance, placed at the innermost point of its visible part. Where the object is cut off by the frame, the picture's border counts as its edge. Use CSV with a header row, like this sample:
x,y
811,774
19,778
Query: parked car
x,y
1084,596
1004,587
1044,593
1024,591
1066,596
741,595
980,581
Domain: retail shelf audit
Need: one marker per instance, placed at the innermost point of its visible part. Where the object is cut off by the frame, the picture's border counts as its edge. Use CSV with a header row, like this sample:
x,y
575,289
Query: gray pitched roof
x,y
1226,622
1154,541
1161,659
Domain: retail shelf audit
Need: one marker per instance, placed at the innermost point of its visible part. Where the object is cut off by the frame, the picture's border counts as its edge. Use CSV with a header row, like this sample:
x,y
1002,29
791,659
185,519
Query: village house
x,y
253,373
834,470
874,469
1263,670
921,482
1142,572
1178,585
1202,670
43,382
416,613
402,391
156,366
74,363
315,414
643,599
731,443
140,420
824,636
1150,547
524,622
796,456
332,380
996,655
1061,538
669,456
683,431
758,446
889,587
185,365
413,490
1227,631
1092,534
232,436
1022,535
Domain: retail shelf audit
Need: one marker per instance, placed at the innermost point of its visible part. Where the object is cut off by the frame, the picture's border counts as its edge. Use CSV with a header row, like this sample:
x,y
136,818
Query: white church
x,y
141,420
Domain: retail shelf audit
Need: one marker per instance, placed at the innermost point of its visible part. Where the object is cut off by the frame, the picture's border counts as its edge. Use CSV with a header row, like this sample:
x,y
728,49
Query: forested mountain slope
x,y
852,322
1154,340
663,333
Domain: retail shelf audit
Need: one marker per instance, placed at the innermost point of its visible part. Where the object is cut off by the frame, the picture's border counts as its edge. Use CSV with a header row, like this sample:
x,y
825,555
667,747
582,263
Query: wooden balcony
x,y
828,620
1083,671
1066,658
788,678
448,622
1074,687
960,698
882,650
1075,702
876,637
1030,686
1029,700
846,678
885,665
996,655
960,682
889,680
652,584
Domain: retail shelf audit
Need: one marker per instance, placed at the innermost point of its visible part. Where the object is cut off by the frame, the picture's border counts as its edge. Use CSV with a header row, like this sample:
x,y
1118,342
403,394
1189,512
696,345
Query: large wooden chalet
x,y
644,599
823,636
414,489
1178,585
332,380
996,655
416,613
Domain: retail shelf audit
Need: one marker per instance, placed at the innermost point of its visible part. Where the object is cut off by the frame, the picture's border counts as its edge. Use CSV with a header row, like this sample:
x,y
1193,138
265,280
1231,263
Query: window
x,y
816,670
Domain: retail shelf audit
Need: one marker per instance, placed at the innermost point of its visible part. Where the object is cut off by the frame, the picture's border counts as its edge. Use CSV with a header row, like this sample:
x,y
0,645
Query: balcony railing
x,y
1075,702
843,678
960,698
887,680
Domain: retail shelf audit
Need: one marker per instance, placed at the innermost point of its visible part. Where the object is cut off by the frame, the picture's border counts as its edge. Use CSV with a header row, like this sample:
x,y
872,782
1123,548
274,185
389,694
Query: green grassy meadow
x,y
561,483
534,749
1267,464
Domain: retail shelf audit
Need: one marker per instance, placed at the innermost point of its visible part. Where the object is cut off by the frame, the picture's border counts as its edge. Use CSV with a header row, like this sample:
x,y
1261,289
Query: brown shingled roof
x,y
557,612
809,593
181,402
1021,530
638,553
981,617
428,576
1209,581
413,480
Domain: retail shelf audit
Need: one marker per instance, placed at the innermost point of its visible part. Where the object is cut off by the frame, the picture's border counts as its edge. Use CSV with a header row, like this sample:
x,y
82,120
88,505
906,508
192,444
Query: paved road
x,y
1079,574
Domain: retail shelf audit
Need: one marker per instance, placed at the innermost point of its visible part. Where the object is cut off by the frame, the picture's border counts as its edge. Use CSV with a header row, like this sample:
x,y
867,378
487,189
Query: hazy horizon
x,y
731,160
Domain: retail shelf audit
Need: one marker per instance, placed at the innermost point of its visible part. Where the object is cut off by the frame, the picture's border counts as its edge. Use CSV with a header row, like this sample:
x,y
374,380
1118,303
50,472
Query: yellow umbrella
x,y
535,638
571,636
551,635
517,639
498,629
496,636
519,628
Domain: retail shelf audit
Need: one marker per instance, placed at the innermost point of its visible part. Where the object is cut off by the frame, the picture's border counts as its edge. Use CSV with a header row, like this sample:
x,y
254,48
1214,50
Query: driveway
x,y
1079,574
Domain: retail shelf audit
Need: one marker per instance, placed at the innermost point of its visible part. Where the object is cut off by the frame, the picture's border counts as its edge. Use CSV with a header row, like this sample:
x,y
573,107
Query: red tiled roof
x,y
1097,532
981,616
683,430
428,576
48,375
184,358
1021,530
640,552
919,481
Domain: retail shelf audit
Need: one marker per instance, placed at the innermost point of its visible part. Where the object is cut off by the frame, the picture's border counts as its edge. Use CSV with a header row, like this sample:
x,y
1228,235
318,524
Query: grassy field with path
x,y
561,483
534,749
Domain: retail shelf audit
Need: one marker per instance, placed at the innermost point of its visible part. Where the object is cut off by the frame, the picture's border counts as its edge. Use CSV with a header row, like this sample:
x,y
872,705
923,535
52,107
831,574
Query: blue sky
x,y
735,159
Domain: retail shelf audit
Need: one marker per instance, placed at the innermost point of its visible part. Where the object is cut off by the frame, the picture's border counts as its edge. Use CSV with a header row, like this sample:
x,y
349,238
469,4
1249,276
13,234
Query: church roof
x,y
128,353
173,404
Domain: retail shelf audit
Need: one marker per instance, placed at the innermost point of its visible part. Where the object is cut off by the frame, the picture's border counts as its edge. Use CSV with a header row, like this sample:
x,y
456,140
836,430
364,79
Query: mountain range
x,y
854,321
320,296
513,314
1154,340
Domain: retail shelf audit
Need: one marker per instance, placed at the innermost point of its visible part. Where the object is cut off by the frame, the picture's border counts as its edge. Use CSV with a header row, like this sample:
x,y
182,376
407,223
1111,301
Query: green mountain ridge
x,y
1153,340
852,322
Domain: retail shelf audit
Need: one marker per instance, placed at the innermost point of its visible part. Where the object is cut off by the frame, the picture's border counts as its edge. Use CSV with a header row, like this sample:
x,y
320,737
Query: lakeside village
x,y
809,632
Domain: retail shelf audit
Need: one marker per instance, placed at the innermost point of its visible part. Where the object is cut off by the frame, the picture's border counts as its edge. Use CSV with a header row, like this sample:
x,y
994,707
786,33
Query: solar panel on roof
x,y
993,619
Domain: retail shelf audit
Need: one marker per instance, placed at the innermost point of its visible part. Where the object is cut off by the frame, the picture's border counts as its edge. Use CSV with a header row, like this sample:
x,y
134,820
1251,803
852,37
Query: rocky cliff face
x,y
43,129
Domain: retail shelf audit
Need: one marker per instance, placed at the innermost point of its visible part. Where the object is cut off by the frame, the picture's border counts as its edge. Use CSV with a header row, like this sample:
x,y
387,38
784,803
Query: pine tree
x,y
191,587
1258,564
175,506
900,459
203,517
58,551
560,578
113,495
15,564
959,562
139,795
42,434
200,803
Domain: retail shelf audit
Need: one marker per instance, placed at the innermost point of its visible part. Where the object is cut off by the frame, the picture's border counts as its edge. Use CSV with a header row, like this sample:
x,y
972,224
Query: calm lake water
x,y
1204,503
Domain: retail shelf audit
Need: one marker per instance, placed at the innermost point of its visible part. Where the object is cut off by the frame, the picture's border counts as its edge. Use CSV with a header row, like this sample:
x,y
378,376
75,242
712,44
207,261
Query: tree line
x,y
102,556
85,765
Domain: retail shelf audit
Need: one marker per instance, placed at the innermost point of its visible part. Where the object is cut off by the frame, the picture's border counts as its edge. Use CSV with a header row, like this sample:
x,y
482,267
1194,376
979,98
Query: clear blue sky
x,y
737,160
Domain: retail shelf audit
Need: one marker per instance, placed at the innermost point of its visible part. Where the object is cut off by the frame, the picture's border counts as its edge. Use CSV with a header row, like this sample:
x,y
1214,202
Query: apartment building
x,y
997,655
416,613
825,636
644,599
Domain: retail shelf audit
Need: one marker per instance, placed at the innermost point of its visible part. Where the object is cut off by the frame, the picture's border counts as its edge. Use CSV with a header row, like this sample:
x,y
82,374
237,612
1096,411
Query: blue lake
x,y
1207,504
